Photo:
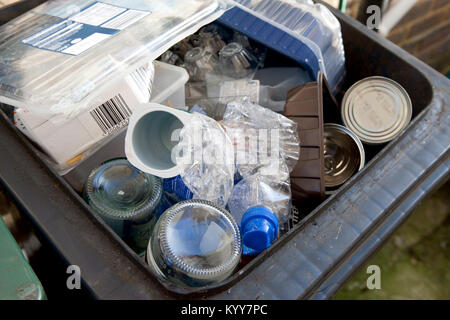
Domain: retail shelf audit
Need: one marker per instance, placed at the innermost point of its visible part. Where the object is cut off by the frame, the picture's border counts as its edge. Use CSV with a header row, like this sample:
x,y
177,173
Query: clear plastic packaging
x,y
213,95
265,141
211,38
194,244
66,144
275,84
310,22
40,74
205,158
236,62
261,205
199,62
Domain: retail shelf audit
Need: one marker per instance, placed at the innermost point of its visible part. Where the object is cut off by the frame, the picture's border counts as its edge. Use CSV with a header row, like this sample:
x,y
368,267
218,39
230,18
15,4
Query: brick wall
x,y
425,32
7,2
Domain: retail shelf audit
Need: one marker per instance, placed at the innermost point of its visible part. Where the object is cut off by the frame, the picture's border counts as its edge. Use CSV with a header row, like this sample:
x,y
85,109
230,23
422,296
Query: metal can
x,y
376,109
344,155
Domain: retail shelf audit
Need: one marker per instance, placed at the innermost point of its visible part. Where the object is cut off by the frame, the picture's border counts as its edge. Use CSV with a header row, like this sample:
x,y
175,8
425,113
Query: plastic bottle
x,y
261,205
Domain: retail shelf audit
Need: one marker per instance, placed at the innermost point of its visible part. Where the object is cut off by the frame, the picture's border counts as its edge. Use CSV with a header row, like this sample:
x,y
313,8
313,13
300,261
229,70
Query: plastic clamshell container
x,y
98,43
305,32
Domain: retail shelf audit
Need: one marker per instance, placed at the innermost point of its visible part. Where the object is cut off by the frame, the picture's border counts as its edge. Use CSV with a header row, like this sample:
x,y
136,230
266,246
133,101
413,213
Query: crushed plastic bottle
x,y
205,157
261,205
264,141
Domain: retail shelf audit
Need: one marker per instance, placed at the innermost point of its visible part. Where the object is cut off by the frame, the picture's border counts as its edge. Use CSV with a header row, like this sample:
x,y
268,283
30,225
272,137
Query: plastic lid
x,y
259,227
195,243
54,72
120,191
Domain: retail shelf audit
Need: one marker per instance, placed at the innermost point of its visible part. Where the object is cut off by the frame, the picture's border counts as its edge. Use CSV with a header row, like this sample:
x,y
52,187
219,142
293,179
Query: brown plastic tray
x,y
306,105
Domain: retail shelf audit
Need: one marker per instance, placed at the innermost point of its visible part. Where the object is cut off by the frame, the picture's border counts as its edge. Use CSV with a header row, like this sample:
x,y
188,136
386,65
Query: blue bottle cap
x,y
259,227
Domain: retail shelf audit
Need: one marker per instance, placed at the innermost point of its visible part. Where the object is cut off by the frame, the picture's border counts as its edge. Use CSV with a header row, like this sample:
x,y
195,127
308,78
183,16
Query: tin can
x,y
376,109
344,155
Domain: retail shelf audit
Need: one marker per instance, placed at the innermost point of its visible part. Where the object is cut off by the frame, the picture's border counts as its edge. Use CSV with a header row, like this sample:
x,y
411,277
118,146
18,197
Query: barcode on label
x,y
112,115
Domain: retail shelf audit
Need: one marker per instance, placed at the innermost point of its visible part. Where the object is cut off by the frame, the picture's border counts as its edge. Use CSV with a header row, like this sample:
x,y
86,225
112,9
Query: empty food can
x,y
344,155
376,109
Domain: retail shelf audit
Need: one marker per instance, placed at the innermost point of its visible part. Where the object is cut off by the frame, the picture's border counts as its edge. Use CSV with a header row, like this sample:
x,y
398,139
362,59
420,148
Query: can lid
x,y
259,227
376,109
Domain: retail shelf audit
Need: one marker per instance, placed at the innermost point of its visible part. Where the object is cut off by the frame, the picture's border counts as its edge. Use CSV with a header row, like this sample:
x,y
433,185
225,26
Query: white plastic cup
x,y
149,140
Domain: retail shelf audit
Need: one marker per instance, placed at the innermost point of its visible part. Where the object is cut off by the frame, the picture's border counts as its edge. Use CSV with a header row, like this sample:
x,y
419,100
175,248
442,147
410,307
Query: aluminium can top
x,y
376,109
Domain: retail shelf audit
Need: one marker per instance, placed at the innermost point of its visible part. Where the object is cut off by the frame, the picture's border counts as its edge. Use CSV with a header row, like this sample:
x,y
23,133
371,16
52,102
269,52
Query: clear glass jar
x,y
126,198
194,244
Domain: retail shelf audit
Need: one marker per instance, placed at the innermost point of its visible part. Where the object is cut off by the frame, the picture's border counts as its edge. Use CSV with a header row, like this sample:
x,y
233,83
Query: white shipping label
x,y
85,29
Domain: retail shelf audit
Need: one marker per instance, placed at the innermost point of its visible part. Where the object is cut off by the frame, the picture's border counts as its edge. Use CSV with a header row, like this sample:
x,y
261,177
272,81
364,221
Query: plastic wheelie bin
x,y
17,279
316,257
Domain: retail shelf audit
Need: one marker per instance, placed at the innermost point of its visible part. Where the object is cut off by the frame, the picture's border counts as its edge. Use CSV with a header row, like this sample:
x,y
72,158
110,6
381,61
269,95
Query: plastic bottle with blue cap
x,y
261,206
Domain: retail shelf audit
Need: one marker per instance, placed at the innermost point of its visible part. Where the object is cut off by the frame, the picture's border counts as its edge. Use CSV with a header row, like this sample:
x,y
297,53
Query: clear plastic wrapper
x,y
265,141
54,58
310,22
205,158
213,95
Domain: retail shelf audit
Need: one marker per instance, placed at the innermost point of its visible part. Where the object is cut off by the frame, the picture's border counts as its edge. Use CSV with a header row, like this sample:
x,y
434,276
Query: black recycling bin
x,y
319,254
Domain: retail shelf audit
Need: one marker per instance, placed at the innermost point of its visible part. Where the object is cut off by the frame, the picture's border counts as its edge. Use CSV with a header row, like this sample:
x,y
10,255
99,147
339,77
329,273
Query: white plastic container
x,y
69,142
168,88
171,93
